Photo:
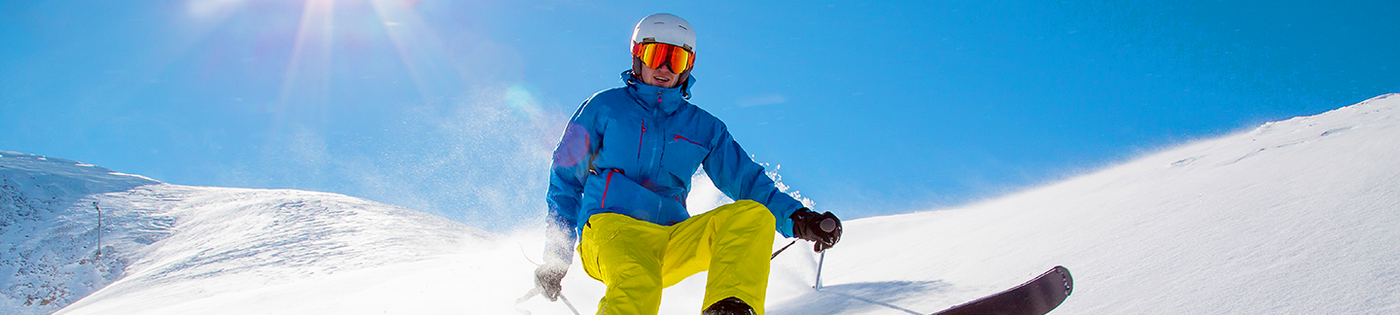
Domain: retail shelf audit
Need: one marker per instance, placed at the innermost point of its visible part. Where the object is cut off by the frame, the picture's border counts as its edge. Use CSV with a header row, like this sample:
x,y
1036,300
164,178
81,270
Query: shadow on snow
x,y
863,296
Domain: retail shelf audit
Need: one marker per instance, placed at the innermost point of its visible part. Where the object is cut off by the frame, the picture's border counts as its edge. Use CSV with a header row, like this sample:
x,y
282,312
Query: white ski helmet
x,y
665,28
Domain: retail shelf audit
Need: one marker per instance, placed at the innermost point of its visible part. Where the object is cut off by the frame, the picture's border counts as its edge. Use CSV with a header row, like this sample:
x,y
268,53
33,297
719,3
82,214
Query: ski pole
x,y
528,295
566,303
820,261
536,290
533,293
780,250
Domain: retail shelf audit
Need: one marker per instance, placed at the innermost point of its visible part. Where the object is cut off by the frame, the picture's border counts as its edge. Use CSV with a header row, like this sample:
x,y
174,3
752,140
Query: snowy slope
x,y
177,249
50,233
1297,216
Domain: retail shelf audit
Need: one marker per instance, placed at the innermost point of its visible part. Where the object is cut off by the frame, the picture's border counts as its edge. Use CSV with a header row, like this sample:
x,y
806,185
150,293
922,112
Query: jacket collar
x,y
667,100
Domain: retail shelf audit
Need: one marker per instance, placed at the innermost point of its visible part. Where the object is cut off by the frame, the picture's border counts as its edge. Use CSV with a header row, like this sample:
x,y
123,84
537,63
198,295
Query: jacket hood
x,y
668,100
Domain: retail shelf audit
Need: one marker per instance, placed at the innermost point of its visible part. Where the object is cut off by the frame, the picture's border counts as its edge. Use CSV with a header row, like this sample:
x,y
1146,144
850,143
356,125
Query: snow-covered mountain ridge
x,y
164,243
1296,216
49,228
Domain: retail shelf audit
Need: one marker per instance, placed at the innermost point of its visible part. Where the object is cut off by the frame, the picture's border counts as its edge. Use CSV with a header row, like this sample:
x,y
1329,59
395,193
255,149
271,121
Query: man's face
x,y
661,77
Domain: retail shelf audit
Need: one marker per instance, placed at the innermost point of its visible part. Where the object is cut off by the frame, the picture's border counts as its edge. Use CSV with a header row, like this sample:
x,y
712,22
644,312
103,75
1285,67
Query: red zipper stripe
x,y
641,139
679,138
602,203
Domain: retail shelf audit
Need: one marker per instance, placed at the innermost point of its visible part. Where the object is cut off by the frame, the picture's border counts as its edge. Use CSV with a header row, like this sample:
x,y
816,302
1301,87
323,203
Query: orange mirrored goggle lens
x,y
654,55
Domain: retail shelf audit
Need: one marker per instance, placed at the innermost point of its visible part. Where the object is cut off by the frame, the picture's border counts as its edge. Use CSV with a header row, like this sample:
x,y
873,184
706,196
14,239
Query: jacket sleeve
x,y
739,177
568,173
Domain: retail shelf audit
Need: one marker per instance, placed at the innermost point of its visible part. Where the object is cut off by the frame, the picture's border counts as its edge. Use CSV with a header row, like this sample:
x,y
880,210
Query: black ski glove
x,y
822,229
548,278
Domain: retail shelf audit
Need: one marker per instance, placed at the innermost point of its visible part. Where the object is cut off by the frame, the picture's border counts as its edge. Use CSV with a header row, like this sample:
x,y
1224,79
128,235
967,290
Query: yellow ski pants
x,y
636,259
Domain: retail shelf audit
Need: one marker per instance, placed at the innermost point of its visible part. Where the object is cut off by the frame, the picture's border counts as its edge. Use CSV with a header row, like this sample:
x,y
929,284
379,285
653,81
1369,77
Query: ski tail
x,y
1035,297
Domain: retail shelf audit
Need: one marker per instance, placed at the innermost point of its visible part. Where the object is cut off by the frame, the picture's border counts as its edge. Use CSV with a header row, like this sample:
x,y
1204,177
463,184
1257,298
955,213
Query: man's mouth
x,y
662,79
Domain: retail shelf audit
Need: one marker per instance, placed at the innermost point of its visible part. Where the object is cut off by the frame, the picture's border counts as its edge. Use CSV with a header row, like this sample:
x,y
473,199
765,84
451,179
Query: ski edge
x,y
1068,282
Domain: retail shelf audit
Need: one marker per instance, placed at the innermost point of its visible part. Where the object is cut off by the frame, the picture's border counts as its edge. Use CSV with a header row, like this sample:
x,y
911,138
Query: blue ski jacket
x,y
632,150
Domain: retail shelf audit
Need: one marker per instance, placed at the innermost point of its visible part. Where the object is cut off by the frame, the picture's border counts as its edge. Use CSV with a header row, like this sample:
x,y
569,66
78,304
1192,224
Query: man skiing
x,y
619,181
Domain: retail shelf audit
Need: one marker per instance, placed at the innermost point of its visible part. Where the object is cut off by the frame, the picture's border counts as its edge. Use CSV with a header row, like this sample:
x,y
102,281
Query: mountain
x,y
1295,216
171,248
49,228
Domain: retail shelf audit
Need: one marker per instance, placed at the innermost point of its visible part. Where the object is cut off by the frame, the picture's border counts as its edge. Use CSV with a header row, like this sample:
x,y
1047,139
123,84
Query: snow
x,y
1296,216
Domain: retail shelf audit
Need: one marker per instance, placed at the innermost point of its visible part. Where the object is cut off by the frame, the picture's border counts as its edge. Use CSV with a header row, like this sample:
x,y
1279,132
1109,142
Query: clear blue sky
x,y
452,107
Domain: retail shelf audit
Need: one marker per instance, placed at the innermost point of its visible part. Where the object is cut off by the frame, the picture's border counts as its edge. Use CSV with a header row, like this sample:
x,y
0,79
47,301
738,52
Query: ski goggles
x,y
654,54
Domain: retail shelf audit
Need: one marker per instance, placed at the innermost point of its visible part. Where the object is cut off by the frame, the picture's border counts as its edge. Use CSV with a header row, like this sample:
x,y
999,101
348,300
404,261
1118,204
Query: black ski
x,y
1035,297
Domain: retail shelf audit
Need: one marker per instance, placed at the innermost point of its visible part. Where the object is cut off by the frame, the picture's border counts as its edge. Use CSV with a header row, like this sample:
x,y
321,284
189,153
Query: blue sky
x,y
452,107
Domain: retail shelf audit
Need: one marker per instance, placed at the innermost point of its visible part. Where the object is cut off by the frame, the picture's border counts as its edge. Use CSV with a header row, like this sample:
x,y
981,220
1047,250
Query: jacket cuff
x,y
784,221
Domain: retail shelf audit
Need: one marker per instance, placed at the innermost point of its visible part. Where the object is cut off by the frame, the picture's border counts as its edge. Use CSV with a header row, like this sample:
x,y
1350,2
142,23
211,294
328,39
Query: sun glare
x,y
206,9
327,38
420,50
306,81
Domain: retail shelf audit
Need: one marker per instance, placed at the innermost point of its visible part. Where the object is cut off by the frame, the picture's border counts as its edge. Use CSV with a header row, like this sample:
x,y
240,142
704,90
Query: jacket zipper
x,y
607,184
679,138
641,139
644,126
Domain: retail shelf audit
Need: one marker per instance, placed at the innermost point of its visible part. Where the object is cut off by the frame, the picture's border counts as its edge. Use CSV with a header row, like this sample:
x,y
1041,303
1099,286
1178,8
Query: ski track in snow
x,y
1296,216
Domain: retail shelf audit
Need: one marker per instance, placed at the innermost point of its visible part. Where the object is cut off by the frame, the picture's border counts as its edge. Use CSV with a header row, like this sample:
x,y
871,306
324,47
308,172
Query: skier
x,y
619,181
